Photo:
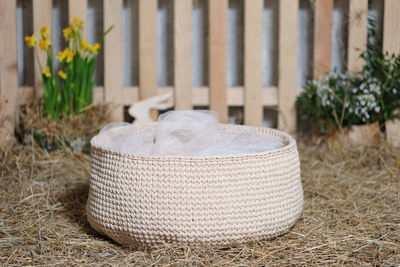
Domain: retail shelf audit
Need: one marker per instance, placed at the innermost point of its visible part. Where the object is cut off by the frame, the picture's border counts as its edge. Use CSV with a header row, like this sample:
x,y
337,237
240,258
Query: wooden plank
x,y
41,16
287,66
78,9
183,54
113,91
218,20
322,57
391,27
148,50
357,34
8,70
200,95
253,33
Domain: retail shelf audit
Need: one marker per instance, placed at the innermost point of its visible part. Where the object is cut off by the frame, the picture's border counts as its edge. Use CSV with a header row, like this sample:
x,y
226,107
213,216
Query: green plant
x,y
383,70
70,91
340,100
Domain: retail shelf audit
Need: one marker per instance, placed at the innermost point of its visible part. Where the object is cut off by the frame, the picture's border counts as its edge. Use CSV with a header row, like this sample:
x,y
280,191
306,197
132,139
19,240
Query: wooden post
x,y
357,34
148,50
253,23
8,70
183,54
322,57
391,27
287,92
218,20
41,16
113,91
78,8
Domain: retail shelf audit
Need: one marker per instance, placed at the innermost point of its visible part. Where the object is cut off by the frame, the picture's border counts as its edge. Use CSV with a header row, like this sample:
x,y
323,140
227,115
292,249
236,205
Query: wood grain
x,y
8,70
287,66
113,91
391,26
253,23
218,20
357,42
322,57
183,54
200,95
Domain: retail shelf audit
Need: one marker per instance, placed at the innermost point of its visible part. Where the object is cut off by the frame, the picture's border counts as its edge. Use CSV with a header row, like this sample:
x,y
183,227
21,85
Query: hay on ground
x,y
351,213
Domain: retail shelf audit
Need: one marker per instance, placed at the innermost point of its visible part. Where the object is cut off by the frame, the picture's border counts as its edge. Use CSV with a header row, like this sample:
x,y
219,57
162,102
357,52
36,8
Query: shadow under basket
x,y
213,201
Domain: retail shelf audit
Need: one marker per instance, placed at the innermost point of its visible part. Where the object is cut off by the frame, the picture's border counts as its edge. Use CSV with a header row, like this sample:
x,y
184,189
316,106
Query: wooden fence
x,y
217,95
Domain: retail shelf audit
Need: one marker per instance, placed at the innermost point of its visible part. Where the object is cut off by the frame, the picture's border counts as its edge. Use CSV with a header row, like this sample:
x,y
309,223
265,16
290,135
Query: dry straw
x,y
351,213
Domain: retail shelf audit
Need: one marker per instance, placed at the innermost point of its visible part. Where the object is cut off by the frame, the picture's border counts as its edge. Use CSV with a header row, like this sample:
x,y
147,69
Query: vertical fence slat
x,y
78,8
147,48
322,37
183,54
391,26
218,20
113,91
288,17
8,69
41,16
253,23
357,34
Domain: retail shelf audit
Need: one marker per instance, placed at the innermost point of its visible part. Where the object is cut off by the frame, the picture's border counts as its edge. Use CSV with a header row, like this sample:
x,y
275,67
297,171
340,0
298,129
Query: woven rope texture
x,y
216,201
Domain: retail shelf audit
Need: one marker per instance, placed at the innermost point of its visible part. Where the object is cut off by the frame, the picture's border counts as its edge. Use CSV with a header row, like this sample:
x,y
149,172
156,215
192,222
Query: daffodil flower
x,y
62,74
95,48
84,45
76,25
44,32
67,34
61,55
70,56
30,40
46,72
44,44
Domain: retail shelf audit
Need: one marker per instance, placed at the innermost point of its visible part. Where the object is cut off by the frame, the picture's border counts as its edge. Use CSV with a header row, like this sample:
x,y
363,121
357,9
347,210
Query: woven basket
x,y
212,200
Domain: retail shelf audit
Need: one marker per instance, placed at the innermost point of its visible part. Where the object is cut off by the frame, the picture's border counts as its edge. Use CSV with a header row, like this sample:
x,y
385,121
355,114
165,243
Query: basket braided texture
x,y
208,200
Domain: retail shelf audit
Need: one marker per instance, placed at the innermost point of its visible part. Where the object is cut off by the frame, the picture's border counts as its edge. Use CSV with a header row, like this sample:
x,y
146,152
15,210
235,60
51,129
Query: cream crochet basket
x,y
210,200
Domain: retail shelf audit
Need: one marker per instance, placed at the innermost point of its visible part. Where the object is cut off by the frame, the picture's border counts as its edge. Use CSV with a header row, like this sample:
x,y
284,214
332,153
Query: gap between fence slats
x,y
78,8
183,54
287,66
391,26
41,16
113,91
8,69
357,34
218,20
253,32
322,57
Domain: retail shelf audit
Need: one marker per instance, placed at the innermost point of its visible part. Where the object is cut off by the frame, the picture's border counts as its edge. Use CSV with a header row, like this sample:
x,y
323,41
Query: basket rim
x,y
291,142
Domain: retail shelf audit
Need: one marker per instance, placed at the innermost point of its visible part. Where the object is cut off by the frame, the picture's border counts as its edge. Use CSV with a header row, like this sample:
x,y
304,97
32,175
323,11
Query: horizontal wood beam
x,y
200,95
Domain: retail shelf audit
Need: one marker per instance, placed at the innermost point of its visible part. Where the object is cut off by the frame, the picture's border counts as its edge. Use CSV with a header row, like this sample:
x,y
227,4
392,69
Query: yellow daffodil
x,y
70,56
46,72
44,32
76,25
44,44
84,45
67,34
62,74
61,55
30,40
95,48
